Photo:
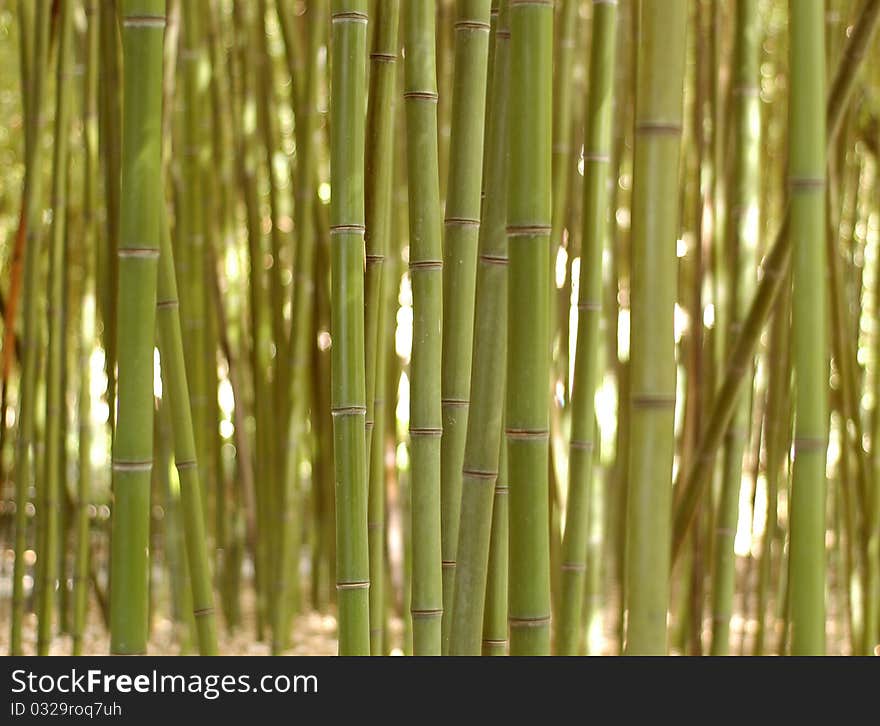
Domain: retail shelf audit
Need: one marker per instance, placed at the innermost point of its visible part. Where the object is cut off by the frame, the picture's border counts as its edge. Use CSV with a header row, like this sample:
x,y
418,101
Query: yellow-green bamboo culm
x,y
143,25
348,387
528,351
659,88
379,168
462,230
809,349
480,524
49,484
597,156
31,214
426,268
743,228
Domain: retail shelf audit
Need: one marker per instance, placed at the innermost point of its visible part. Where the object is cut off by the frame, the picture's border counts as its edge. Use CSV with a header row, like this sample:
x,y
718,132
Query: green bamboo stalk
x,y
426,266
143,25
564,163
462,229
258,312
495,614
743,229
690,485
55,405
27,398
480,469
111,141
349,50
86,342
809,354
379,167
597,155
661,56
193,229
267,121
177,394
528,354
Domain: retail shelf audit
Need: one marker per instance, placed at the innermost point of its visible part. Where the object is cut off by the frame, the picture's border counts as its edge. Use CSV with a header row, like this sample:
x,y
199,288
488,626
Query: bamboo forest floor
x,y
314,633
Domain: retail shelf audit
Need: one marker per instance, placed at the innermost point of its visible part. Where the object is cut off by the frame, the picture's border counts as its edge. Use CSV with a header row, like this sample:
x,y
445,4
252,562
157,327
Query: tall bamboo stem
x,y
426,267
55,405
597,156
480,470
380,169
660,72
528,354
743,228
462,230
143,25
349,48
809,354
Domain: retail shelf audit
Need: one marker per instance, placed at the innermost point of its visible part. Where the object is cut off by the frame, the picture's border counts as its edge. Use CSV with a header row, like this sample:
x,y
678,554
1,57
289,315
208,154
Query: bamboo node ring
x,y
351,16
527,434
536,622
357,585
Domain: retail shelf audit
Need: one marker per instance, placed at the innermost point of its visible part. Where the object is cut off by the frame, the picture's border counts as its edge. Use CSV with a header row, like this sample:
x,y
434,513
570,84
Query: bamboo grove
x,y
440,327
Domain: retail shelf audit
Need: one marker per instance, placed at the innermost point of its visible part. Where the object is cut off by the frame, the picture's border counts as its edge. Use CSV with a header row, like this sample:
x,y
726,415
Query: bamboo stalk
x,y
460,242
495,615
480,470
303,306
143,25
426,267
742,238
597,155
660,72
528,354
175,381
349,48
89,317
55,405
379,167
809,354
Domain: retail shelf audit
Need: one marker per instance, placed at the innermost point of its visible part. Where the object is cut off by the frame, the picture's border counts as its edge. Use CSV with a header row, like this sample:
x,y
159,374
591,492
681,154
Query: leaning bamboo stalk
x,y
177,393
809,354
31,214
55,405
480,496
658,120
495,613
597,156
462,229
349,49
143,24
426,267
691,484
528,353
193,228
